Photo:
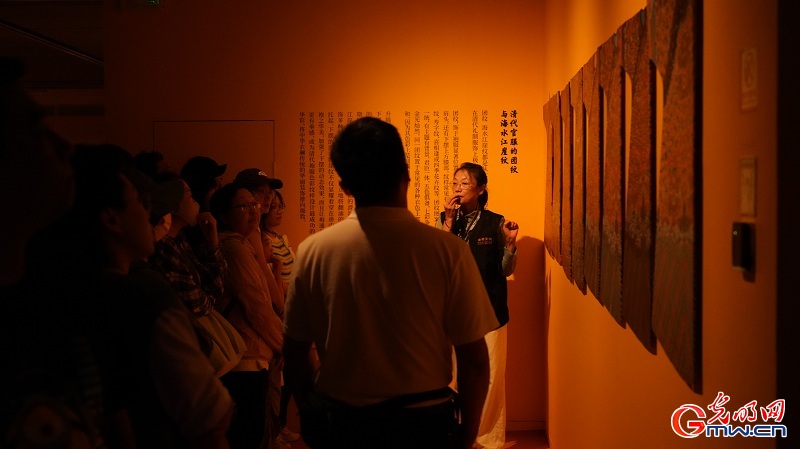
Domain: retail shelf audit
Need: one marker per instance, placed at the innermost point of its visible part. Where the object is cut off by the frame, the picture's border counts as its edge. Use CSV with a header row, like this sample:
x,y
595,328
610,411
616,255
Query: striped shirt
x,y
283,252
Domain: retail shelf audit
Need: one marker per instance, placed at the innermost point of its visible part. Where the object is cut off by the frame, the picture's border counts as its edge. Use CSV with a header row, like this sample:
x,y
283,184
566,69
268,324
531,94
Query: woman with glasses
x,y
492,241
263,189
246,303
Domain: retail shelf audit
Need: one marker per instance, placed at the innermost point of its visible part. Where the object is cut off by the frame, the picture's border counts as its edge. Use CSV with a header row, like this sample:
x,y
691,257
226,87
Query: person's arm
x,y
244,276
169,260
299,368
208,227
188,388
472,360
451,205
211,265
275,291
213,272
276,266
277,271
508,238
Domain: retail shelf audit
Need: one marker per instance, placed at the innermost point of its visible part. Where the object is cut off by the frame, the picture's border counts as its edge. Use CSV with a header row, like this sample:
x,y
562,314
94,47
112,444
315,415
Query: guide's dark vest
x,y
488,253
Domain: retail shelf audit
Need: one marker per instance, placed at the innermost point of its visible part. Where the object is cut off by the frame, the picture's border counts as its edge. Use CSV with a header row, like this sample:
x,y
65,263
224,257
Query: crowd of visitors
x,y
152,308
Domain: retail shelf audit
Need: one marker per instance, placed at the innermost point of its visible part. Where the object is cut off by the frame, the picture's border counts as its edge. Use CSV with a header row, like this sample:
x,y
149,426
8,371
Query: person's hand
x,y
510,231
208,227
272,260
451,205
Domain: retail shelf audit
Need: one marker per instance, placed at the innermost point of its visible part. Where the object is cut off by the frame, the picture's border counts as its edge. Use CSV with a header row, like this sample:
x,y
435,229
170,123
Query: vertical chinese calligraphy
x,y
340,200
509,127
322,156
485,138
331,191
437,172
312,174
427,216
475,137
302,166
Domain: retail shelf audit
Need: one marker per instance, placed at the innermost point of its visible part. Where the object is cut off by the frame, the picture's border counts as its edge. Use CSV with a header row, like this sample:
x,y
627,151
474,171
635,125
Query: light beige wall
x,y
269,60
606,390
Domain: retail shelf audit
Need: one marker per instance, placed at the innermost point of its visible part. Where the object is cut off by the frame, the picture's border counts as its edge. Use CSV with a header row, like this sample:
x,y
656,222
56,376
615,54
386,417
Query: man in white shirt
x,y
384,299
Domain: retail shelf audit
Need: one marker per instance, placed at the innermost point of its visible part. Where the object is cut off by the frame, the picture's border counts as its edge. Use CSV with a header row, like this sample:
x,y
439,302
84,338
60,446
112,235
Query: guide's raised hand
x,y
451,205
510,231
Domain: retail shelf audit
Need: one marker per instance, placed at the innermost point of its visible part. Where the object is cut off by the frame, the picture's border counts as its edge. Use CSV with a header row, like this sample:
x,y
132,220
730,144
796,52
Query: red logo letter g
x,y
695,427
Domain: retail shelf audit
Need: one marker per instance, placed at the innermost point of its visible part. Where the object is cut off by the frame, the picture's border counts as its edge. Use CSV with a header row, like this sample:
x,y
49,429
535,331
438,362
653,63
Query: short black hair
x,y
147,162
98,186
369,157
97,177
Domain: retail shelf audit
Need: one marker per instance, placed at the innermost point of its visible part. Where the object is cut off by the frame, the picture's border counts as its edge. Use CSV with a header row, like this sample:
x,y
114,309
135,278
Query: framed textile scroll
x,y
613,88
548,189
555,214
578,179
594,174
566,183
553,200
637,273
624,211
675,49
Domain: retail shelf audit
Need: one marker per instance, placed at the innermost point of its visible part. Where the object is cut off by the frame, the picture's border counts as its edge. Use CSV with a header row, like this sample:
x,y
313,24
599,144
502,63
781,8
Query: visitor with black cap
x,y
204,176
263,188
259,184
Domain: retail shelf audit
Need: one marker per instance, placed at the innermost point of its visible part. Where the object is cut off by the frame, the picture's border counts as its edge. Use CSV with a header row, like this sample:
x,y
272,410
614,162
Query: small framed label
x,y
747,186
749,79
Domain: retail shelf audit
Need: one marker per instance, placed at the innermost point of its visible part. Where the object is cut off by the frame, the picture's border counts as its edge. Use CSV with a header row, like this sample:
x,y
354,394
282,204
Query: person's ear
x,y
344,188
223,220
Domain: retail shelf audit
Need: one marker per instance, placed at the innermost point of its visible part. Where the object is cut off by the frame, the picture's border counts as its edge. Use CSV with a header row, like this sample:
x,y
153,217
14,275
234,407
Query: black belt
x,y
395,403
415,398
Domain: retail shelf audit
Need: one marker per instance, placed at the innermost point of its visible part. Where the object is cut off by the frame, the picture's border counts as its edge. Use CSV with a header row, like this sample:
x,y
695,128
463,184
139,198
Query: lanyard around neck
x,y
464,234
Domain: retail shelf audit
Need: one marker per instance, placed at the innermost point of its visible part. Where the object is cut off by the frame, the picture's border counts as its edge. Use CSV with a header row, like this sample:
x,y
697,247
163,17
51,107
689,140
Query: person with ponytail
x,y
492,241
199,279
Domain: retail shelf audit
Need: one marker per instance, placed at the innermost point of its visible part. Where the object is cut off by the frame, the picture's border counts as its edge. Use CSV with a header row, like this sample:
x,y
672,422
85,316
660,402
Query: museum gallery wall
x,y
622,213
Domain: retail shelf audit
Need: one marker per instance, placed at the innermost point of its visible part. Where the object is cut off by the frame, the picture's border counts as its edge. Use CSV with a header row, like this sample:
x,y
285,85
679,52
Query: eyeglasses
x,y
462,185
279,207
246,207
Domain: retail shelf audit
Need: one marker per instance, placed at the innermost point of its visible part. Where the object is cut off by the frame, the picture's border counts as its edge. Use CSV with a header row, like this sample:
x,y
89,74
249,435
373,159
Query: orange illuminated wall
x,y
284,62
605,389
593,382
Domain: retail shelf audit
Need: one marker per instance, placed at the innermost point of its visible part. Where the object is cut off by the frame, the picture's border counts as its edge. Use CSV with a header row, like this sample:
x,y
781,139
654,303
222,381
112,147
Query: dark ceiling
x,y
60,41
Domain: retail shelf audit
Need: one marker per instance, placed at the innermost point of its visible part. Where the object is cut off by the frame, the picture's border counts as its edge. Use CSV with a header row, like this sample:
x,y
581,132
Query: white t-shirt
x,y
384,297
